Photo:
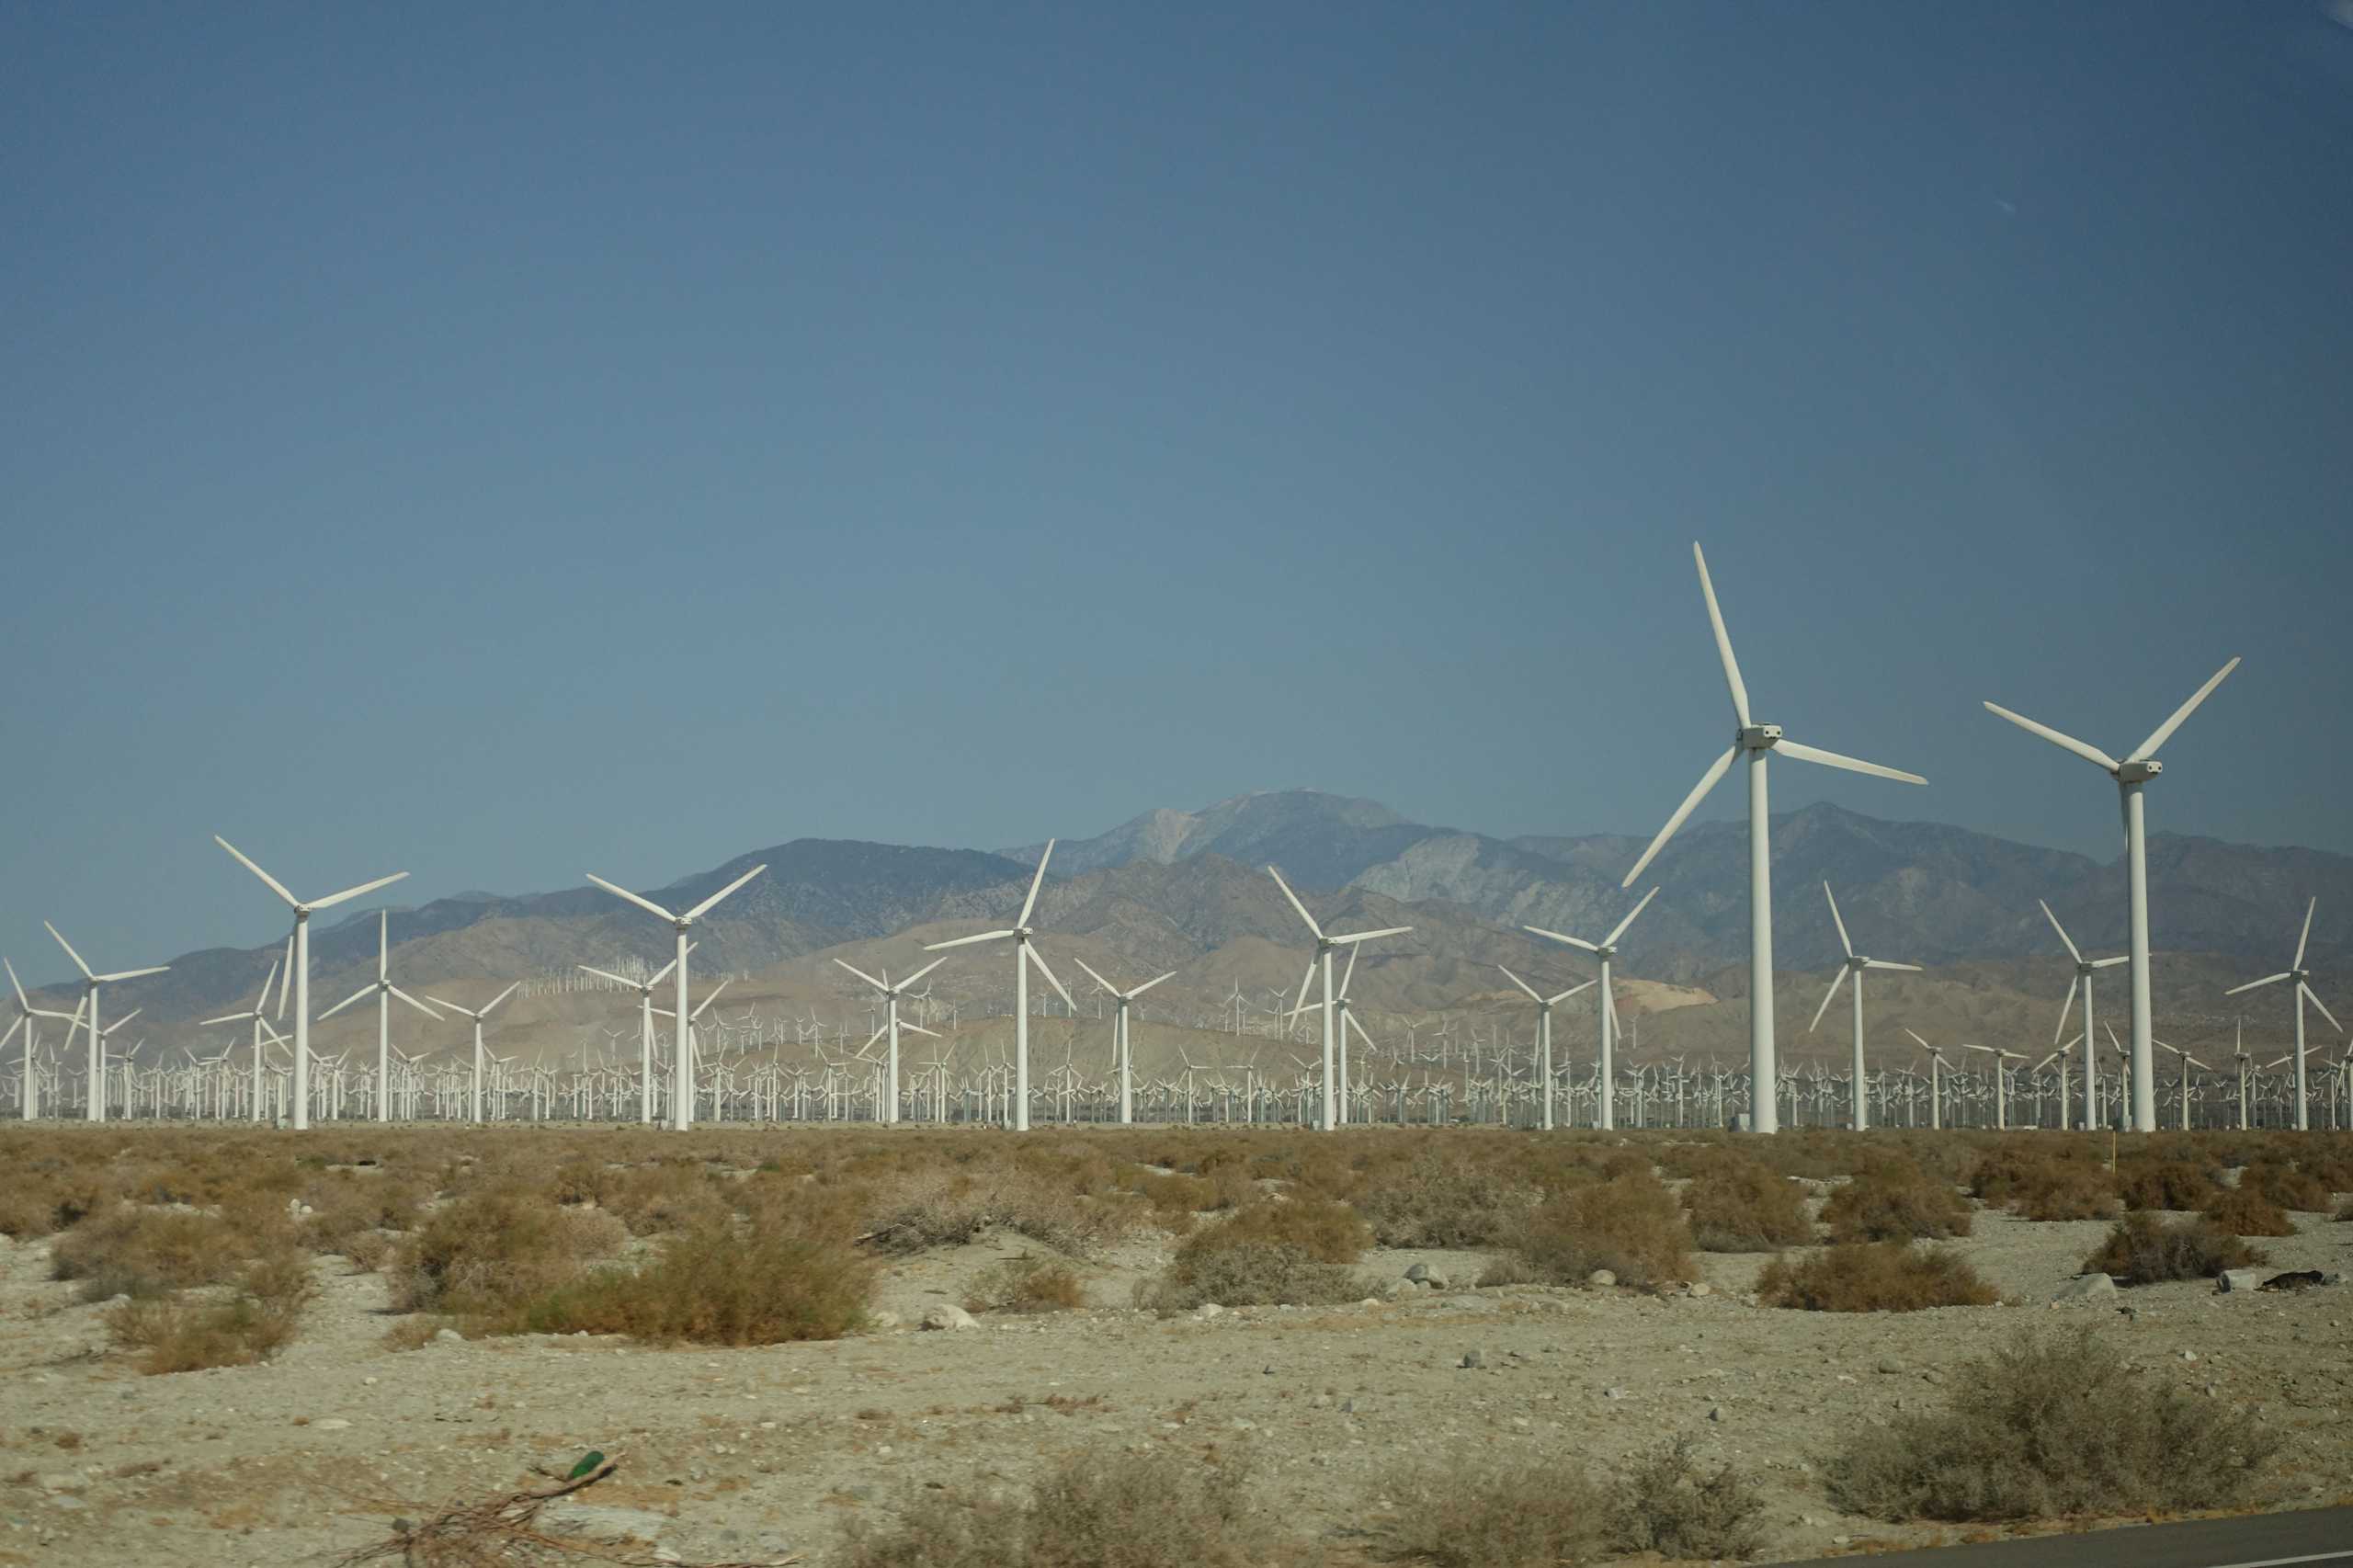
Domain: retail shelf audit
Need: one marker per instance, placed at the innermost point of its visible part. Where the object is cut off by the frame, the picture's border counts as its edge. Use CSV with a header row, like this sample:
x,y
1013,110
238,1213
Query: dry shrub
x,y
1873,1276
1738,1205
1212,1267
129,1251
2145,1250
26,1215
932,1207
176,1334
344,1204
2050,1427
1324,1230
2345,1211
1895,1200
487,1254
1477,1510
1669,1505
1174,1198
369,1251
1025,1285
2244,1211
2040,1183
1438,1201
715,1285
2165,1183
675,1195
2285,1186
1162,1509
1630,1224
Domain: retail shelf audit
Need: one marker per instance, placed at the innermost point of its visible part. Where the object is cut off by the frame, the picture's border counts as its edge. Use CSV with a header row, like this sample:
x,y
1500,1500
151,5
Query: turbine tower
x,y
298,964
682,1067
1120,1043
2132,775
1756,741
384,991
2085,969
1024,955
96,1110
890,1024
2302,977
1855,965
1323,946
1605,1117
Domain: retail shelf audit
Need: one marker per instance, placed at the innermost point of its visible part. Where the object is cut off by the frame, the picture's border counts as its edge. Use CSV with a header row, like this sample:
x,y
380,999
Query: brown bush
x,y
1630,1224
1475,1509
129,1251
2050,1427
2145,1250
1895,1200
489,1253
176,1334
1873,1276
719,1285
1439,1200
1114,1509
2244,1211
2172,1183
2037,1184
1208,1268
932,1207
1669,1505
1327,1231
1025,1285
1738,1205
2285,1187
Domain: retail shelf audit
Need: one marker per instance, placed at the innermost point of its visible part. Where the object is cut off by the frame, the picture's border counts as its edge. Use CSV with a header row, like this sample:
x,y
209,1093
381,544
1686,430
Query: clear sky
x,y
504,441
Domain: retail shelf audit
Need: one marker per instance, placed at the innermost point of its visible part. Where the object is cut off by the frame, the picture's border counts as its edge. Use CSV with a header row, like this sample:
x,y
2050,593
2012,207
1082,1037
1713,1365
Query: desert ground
x,y
767,1452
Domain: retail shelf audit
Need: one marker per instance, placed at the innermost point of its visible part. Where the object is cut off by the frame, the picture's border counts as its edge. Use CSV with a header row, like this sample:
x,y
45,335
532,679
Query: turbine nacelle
x,y
2139,772
1758,737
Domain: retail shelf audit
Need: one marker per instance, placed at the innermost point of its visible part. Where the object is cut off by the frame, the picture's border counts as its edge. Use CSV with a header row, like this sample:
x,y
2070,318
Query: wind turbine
x,y
891,1026
2132,775
1024,955
1121,1043
97,1109
1855,965
298,964
71,1021
257,1013
1605,950
1937,1065
1323,946
2085,969
1756,741
1544,1005
384,991
644,989
682,1067
2302,977
477,1014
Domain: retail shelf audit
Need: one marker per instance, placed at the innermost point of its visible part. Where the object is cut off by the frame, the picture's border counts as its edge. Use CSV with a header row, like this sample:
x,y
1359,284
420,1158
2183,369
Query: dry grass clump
x,y
2145,1250
1475,1509
1439,1200
1894,1199
174,1333
714,1285
1738,1205
1669,1505
2243,1210
1873,1276
146,1253
1324,1230
1630,1224
675,1194
2036,1183
2165,1180
346,1205
933,1207
1211,1266
487,1253
2285,1186
2050,1427
1025,1285
1162,1509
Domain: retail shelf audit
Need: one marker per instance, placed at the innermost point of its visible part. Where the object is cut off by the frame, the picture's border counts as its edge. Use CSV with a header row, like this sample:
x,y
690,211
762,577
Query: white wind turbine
x,y
2085,969
2301,979
1544,1005
96,1110
1756,741
682,1068
257,1013
71,1021
1605,1117
1855,965
644,989
2132,775
384,991
1120,1036
1333,1089
1024,955
477,1014
299,966
891,1026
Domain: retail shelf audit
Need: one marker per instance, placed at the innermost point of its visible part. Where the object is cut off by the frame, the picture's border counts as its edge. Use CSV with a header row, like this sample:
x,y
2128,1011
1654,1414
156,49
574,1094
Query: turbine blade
x,y
2307,933
1723,640
130,974
921,972
1558,937
607,974
1890,963
1040,959
285,975
1852,764
2111,963
2164,732
510,990
2266,979
437,1000
17,985
1836,982
412,1002
1150,984
2323,1006
2062,932
1036,881
1836,920
339,1007
966,941
1563,996
1708,781
906,1027
2090,754
1349,975
70,953
865,977
690,1017
1368,935
1922,1043
334,898
645,903
1619,931
705,907
1521,983
1094,977
1305,981
1295,903
274,884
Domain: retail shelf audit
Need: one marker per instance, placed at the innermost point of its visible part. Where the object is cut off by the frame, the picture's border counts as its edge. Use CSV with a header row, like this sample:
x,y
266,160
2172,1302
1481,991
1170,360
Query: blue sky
x,y
501,442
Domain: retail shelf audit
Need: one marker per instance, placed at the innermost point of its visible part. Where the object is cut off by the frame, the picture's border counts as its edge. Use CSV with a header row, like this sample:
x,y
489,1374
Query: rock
x,y
332,1424
1419,1273
2229,1176
1471,1359
1715,1413
948,1315
882,1322
1602,1278
69,1505
598,1522
1889,1364
1701,1288
1613,1393
1206,1311
2294,1279
56,1481
2232,1279
1400,1289
2190,1355
448,1336
2085,1290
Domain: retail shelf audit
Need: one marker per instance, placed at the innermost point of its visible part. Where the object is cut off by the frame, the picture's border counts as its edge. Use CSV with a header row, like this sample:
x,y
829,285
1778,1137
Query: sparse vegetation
x,y
1873,1276
2050,1427
1026,1284
720,1284
1893,1200
1444,1200
2243,1210
1738,1205
2145,1250
2038,1183
1476,1510
1629,1224
1670,1505
175,1334
489,1253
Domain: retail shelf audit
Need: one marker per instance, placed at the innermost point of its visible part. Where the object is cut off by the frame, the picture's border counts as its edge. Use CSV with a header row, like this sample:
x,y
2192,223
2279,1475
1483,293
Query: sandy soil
x,y
760,1454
